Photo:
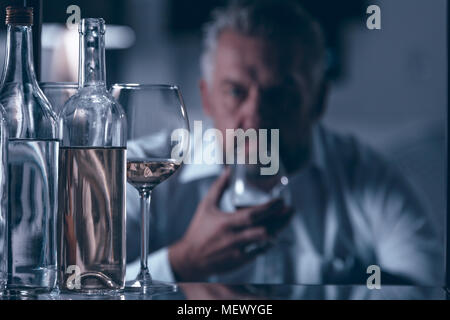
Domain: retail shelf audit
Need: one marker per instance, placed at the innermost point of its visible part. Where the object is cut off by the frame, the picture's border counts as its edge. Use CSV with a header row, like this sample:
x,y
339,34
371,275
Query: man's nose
x,y
251,111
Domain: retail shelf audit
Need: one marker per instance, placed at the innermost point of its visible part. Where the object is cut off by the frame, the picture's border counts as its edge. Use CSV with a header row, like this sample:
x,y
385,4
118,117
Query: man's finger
x,y
250,252
251,216
249,236
218,188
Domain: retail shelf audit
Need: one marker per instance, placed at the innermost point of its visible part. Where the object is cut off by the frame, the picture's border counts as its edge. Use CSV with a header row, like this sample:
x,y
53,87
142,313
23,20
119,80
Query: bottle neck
x,y
92,59
19,56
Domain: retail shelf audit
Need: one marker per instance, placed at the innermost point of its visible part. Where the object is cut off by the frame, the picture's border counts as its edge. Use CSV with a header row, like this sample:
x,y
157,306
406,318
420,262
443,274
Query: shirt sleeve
x,y
158,264
408,244
406,241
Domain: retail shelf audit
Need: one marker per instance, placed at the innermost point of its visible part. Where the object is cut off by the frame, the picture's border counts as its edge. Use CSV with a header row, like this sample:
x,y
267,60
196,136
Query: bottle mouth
x,y
88,25
19,16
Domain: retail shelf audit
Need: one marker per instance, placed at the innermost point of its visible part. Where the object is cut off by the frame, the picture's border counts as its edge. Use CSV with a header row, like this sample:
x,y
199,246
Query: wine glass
x,y
248,187
251,188
158,141
58,93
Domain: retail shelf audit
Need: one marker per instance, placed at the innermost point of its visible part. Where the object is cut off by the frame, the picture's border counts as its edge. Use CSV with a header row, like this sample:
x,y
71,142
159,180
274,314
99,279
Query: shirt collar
x,y
193,172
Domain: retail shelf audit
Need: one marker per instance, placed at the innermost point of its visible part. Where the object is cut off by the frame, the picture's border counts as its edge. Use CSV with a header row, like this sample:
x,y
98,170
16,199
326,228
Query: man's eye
x,y
282,98
237,93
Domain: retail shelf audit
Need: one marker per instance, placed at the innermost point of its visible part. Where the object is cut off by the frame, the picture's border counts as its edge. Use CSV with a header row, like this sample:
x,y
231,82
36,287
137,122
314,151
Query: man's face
x,y
257,85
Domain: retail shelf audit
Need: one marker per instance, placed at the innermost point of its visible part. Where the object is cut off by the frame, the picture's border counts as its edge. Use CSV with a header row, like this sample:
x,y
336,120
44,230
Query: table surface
x,y
209,291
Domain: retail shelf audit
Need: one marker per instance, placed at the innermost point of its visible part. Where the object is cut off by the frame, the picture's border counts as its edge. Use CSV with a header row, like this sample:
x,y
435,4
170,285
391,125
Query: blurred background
x,y
389,85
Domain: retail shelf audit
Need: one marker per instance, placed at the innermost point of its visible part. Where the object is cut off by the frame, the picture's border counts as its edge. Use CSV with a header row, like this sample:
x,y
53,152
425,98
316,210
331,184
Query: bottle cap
x,y
19,16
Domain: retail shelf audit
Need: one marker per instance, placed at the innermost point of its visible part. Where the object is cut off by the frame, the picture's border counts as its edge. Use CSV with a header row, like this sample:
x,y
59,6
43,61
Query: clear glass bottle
x,y
33,145
92,181
3,200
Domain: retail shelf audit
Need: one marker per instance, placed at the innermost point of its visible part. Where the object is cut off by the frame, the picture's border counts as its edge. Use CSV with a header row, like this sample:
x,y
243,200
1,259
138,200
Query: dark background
x,y
185,19
389,86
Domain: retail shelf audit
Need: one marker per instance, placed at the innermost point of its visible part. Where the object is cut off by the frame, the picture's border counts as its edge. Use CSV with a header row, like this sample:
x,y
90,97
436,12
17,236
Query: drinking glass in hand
x,y
251,188
158,133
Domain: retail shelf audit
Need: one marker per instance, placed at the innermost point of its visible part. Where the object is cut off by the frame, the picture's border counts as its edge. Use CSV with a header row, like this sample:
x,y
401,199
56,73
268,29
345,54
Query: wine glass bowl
x,y
147,174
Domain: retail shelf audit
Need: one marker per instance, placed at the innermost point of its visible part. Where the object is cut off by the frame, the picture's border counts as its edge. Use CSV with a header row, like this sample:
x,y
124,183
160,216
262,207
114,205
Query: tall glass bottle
x,y
92,180
33,144
3,200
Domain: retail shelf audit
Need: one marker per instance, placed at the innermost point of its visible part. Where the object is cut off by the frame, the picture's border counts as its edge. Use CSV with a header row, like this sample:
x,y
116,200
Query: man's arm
x,y
407,245
214,241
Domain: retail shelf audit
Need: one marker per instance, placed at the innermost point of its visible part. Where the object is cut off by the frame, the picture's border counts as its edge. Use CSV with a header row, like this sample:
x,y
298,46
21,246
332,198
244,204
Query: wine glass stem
x,y
145,219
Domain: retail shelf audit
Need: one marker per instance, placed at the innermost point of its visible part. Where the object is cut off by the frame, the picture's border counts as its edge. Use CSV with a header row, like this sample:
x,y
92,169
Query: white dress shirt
x,y
352,210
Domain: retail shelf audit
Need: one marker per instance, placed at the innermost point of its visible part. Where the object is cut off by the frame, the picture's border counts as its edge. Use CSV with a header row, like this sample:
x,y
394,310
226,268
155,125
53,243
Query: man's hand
x,y
215,241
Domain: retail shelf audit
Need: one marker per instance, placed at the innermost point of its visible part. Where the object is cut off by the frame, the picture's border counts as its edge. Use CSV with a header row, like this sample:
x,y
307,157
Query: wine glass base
x,y
151,287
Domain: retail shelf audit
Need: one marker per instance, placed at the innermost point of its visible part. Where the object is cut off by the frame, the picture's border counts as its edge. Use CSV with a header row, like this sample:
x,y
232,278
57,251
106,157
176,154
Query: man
x,y
263,67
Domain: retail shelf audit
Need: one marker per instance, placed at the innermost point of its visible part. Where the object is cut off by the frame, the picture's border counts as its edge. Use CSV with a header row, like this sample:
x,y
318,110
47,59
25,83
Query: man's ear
x,y
321,101
204,93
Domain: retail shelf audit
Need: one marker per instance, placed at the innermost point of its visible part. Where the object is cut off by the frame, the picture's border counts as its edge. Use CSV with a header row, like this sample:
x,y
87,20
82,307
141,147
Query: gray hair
x,y
280,21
